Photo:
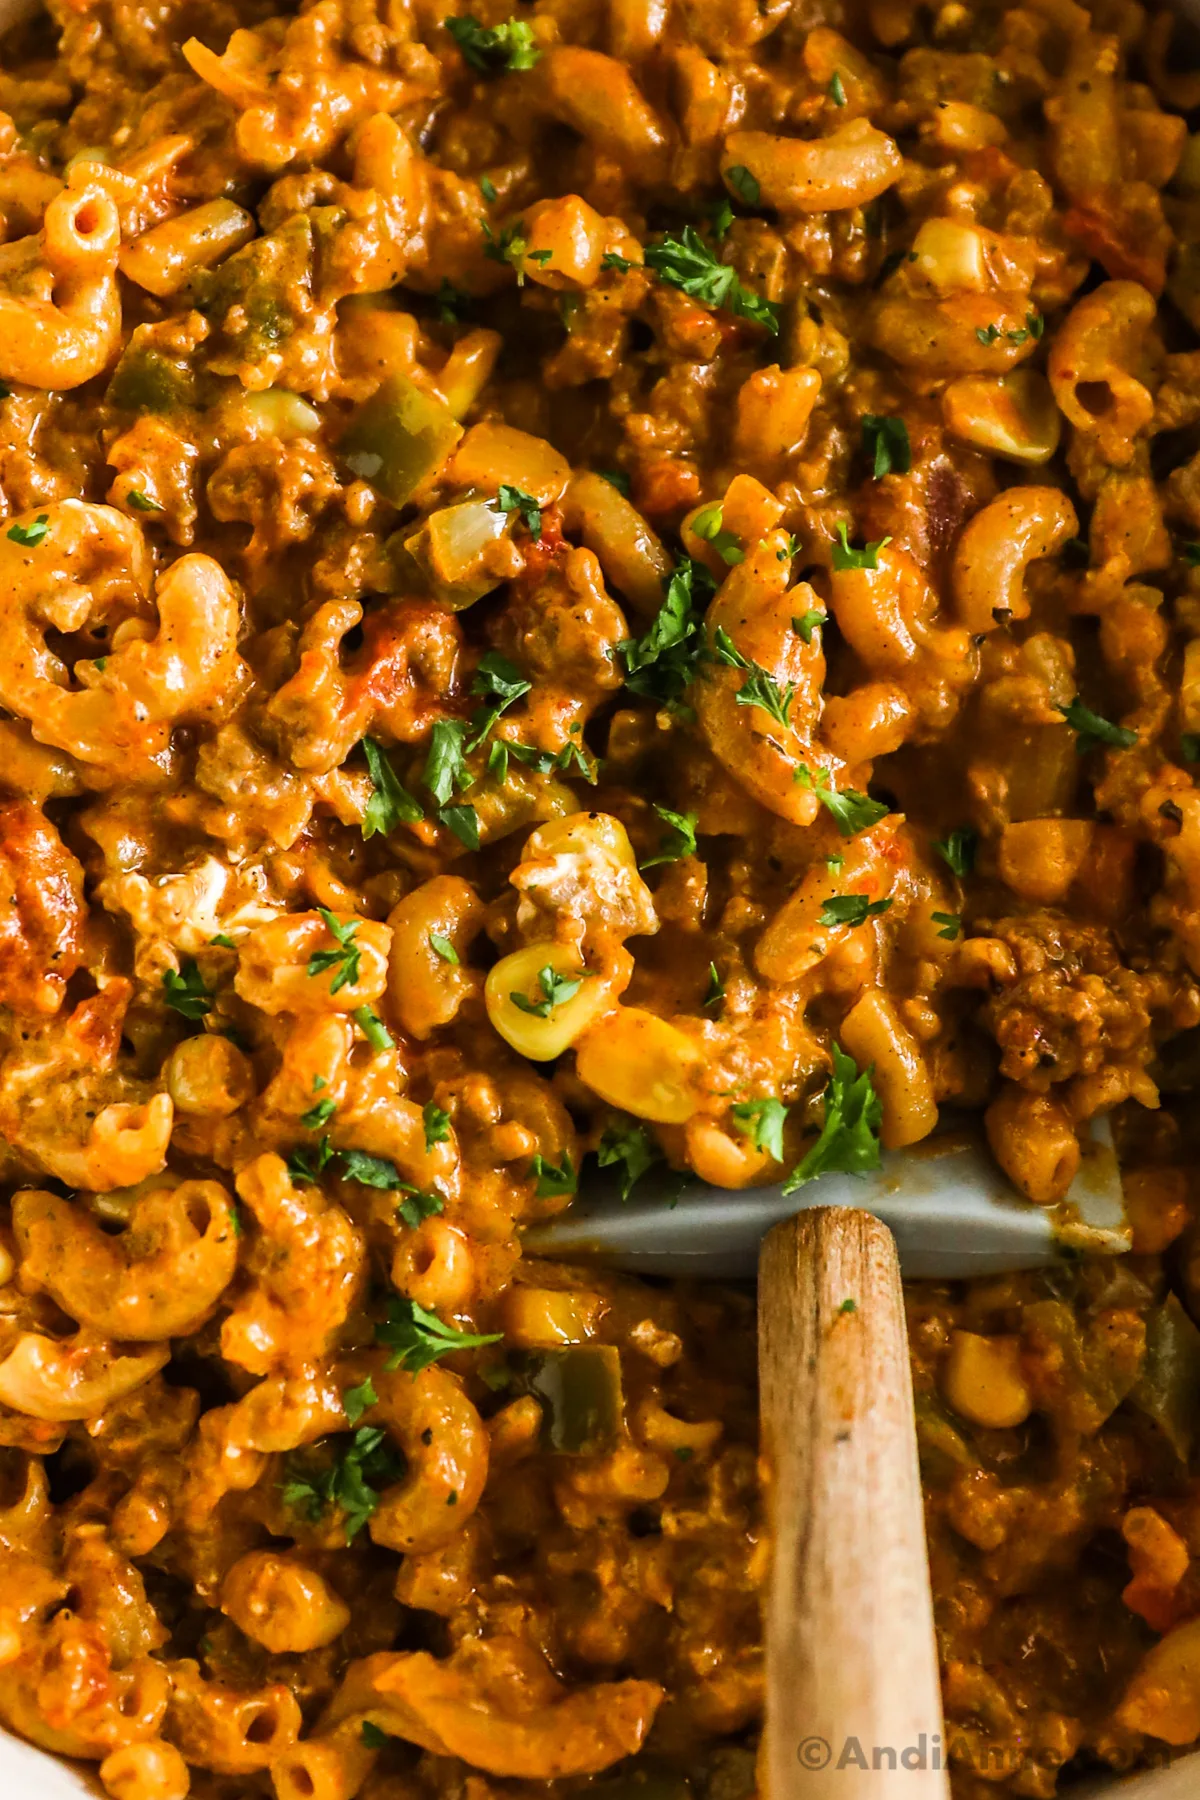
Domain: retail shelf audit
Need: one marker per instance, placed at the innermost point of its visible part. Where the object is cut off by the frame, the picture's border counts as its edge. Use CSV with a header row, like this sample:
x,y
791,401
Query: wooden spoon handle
x,y
853,1703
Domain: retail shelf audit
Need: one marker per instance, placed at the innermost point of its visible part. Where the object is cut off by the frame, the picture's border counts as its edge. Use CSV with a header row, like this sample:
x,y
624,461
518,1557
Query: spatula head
x,y
950,1208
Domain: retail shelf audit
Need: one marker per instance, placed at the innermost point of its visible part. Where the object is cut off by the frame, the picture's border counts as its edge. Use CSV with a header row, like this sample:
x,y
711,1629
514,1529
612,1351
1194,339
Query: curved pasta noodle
x,y
60,311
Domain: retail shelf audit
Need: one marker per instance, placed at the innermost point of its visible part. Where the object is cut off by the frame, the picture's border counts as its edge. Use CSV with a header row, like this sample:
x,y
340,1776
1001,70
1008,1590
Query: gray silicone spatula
x,y
949,1207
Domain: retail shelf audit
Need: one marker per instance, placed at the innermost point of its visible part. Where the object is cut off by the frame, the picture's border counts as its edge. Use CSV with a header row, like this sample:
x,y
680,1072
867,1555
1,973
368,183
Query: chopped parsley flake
x,y
553,1179
687,263
419,1204
885,440
417,1338
708,525
678,840
347,1483
849,1140
391,804
358,1400
852,812
851,909
632,1150
762,1121
373,1028
512,499
185,992
1091,730
345,961
494,49
744,184
556,991
760,688
957,850
30,535
437,1125
845,556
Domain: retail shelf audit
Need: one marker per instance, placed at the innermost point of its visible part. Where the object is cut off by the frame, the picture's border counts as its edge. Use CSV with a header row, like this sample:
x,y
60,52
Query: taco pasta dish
x,y
600,586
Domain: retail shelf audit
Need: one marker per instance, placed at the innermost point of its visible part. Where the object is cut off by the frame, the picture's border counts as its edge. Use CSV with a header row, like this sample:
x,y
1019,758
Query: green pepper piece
x,y
398,437
579,1386
1169,1389
1101,1360
942,1448
148,381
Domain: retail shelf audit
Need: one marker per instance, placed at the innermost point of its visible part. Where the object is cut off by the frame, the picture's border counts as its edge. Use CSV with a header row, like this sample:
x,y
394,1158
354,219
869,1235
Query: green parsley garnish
x,y
358,1400
512,499
556,991
369,1171
451,303
848,1306
417,1338
616,478
373,1737
612,259
744,184
391,804
662,663
837,92
632,1150
678,840
759,689
687,263
806,623
141,502
347,1483
762,1121
951,924
708,525
494,49
185,991
716,987
318,1115
437,1125
719,214
445,769
849,1140
305,1166
885,440
958,849
988,334
463,821
511,247
419,1204
851,909
845,556
30,535
852,812
345,960
223,941
1092,730
553,1179
373,1028
443,948
487,188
